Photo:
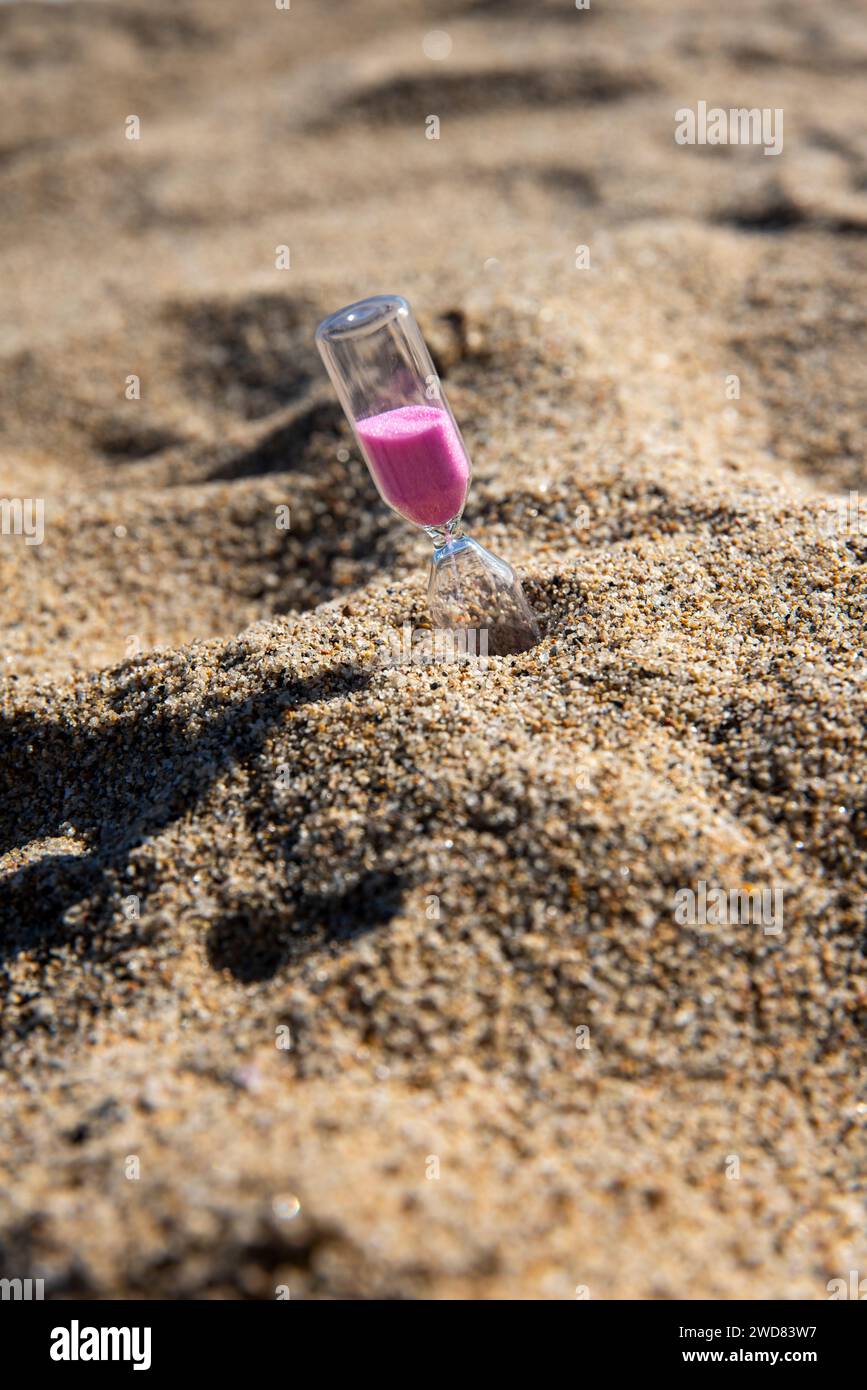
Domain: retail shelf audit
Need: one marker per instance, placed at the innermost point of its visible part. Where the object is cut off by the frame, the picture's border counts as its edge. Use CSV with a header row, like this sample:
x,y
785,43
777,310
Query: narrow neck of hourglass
x,y
447,537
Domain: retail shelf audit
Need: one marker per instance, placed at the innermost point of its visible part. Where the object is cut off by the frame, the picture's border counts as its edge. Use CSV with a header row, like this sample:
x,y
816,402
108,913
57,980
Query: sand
x,y
358,978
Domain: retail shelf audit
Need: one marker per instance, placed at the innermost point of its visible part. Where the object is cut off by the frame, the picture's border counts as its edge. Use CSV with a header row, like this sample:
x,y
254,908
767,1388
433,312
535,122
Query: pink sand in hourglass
x,y
417,458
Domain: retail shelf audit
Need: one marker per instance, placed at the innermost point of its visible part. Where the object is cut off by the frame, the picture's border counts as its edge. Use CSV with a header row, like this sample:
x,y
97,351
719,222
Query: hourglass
x,y
386,382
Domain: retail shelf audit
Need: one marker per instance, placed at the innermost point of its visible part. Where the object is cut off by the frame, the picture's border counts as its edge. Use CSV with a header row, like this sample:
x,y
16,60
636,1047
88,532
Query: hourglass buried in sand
x,y
386,382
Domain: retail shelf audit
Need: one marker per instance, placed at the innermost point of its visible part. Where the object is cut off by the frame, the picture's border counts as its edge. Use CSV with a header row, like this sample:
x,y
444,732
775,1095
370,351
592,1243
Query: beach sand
x,y
363,979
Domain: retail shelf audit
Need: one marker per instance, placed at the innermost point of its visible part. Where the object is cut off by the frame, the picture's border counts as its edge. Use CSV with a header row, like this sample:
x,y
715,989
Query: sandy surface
x,y
224,813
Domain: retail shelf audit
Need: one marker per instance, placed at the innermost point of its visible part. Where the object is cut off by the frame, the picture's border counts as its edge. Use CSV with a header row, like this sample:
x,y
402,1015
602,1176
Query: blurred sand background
x,y
696,709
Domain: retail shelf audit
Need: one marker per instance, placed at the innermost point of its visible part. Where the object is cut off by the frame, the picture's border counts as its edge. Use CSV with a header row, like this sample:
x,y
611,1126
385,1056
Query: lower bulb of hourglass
x,y
471,589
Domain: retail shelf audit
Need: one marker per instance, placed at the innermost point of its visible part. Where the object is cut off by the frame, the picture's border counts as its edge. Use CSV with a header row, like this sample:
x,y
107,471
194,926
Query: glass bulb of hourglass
x,y
389,389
